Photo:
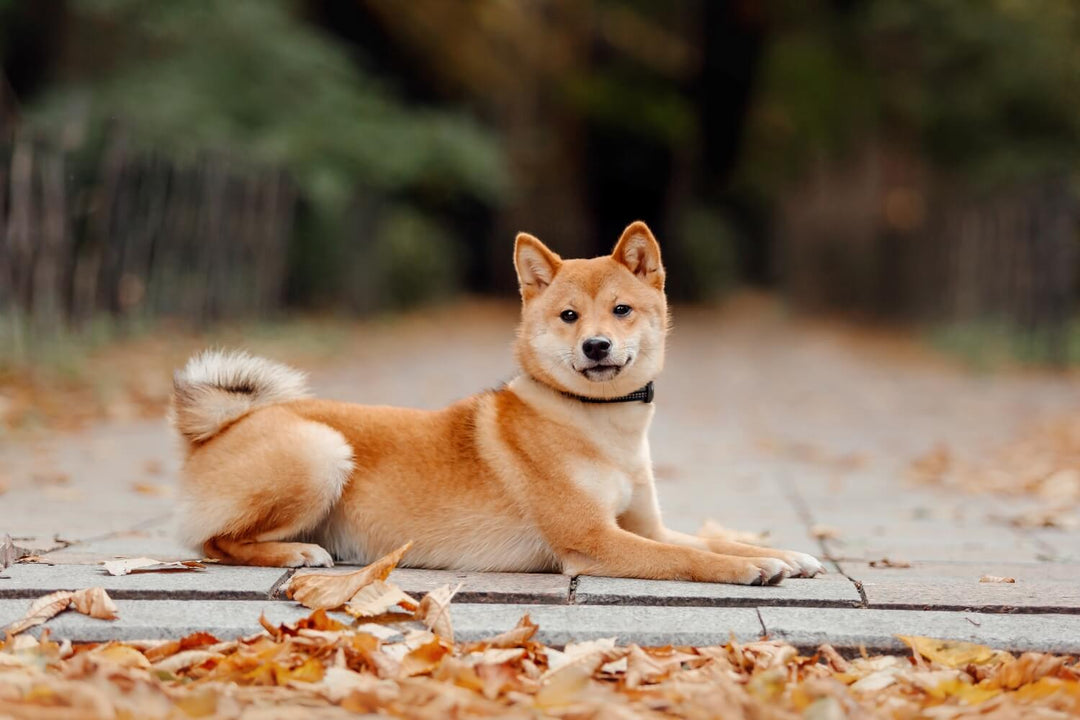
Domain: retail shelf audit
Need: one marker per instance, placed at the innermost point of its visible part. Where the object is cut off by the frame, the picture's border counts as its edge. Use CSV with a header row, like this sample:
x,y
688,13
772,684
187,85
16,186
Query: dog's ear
x,y
536,265
638,250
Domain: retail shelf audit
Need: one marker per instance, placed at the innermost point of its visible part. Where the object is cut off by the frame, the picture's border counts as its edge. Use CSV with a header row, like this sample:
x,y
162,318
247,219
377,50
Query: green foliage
x,y
417,261
988,88
705,254
248,78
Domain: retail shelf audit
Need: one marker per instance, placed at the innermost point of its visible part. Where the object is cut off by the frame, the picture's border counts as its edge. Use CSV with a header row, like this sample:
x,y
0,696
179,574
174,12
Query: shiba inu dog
x,y
548,473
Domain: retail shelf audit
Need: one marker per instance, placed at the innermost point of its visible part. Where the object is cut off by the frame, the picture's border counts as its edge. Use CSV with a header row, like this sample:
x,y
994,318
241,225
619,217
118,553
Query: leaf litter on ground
x,y
399,658
321,667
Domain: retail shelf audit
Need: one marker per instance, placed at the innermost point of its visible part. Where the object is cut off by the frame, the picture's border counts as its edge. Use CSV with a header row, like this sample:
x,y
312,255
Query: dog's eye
x,y
622,310
568,316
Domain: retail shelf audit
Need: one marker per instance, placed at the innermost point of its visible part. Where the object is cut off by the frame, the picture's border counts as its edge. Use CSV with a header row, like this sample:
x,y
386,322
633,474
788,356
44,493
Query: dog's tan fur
x,y
523,478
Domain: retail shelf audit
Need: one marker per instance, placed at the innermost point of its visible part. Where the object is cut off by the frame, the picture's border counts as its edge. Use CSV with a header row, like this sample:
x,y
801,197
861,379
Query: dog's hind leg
x,y
261,484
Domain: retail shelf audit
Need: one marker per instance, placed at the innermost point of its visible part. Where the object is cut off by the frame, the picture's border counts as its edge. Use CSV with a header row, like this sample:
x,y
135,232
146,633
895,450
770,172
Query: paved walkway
x,y
803,432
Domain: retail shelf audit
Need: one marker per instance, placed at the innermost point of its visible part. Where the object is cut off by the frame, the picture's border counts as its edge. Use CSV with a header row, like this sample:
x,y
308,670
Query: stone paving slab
x,y
823,591
536,588
221,582
161,619
559,624
928,544
876,629
157,544
971,572
1021,596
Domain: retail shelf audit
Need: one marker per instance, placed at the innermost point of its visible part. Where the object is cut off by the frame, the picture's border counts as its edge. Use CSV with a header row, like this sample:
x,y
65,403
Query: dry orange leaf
x,y
127,566
329,591
378,598
996,579
155,489
94,602
517,635
434,611
42,610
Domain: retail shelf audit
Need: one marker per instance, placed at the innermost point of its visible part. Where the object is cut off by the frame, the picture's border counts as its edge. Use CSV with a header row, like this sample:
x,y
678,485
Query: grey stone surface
x,y
1034,572
157,543
827,590
877,629
534,588
560,624
161,619
221,582
1022,596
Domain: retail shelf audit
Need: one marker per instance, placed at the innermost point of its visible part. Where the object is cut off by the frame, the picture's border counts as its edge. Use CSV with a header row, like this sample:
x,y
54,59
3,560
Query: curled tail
x,y
217,388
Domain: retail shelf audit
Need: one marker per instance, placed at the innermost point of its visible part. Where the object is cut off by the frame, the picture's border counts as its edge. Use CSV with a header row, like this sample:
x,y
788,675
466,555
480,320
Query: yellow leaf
x,y
201,703
328,591
122,655
965,692
952,653
310,672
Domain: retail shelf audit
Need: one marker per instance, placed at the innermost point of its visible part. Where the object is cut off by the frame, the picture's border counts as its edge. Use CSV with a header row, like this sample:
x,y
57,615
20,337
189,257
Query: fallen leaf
x,y
11,553
517,635
887,563
563,686
996,579
128,566
94,602
952,653
378,598
155,489
184,660
824,532
713,530
121,655
434,611
424,658
328,591
42,610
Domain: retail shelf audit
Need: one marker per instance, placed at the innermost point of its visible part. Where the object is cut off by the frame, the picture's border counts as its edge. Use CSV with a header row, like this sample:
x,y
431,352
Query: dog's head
x,y
593,327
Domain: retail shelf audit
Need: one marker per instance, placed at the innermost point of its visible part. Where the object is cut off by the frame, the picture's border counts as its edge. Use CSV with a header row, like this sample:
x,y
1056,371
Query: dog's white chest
x,y
611,488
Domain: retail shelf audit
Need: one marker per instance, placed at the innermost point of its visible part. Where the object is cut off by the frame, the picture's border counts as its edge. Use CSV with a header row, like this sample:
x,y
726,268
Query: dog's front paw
x,y
309,555
764,571
803,565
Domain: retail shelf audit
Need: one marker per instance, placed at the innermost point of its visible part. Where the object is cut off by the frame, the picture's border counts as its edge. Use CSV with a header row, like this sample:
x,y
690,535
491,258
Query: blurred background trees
x,y
909,161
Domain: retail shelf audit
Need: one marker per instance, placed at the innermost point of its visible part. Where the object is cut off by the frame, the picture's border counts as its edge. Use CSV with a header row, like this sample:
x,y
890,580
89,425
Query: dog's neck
x,y
632,418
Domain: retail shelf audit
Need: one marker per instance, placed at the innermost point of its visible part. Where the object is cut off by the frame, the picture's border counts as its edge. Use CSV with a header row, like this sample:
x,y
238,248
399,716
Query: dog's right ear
x,y
536,265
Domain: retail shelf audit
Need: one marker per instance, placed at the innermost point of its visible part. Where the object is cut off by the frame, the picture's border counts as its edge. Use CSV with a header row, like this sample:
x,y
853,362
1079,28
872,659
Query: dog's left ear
x,y
638,250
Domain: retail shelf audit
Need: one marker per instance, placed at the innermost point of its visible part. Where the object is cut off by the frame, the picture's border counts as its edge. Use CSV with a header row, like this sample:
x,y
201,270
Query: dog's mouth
x,y
603,371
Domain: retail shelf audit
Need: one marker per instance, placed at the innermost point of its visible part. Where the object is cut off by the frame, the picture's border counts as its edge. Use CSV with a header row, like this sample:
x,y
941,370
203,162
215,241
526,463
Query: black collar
x,y
644,395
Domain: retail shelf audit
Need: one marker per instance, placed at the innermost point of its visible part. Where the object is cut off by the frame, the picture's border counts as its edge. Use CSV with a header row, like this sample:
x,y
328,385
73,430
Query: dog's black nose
x,y
596,348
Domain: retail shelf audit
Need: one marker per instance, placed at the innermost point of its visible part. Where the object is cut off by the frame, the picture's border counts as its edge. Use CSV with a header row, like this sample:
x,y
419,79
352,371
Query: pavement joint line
x,y
144,524
802,508
760,619
273,593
